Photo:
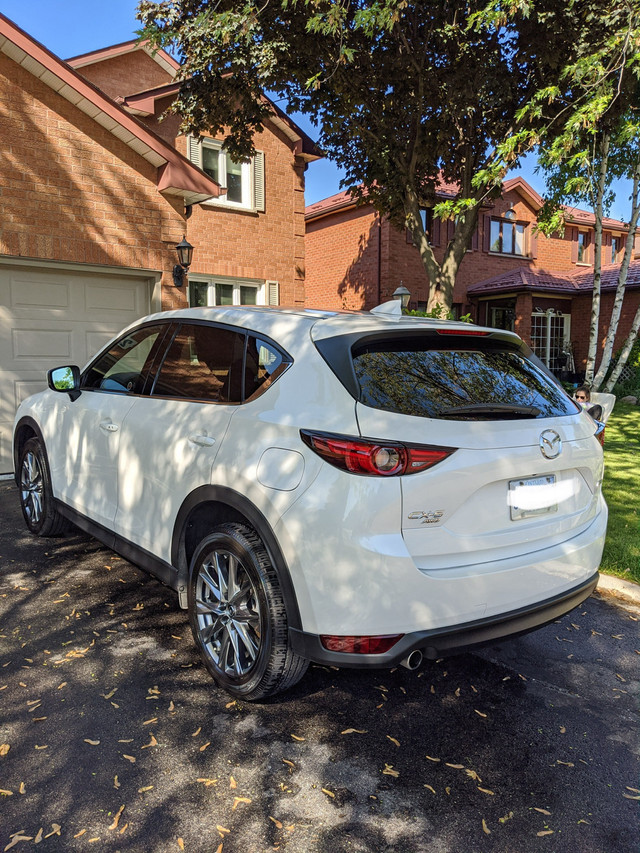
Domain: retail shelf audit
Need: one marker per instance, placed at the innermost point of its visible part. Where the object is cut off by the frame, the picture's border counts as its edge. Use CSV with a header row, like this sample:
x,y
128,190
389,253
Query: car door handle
x,y
108,426
202,440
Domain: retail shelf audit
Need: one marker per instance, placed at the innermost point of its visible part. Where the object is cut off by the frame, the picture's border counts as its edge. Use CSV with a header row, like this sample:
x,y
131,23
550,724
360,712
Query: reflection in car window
x,y
458,383
124,366
203,363
263,366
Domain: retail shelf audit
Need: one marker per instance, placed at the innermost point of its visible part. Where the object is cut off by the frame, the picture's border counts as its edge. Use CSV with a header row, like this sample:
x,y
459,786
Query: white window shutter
x,y
194,150
273,293
258,181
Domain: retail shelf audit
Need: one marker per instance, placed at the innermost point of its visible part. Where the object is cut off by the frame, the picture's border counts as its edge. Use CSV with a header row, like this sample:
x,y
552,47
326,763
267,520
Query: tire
x,y
238,616
36,497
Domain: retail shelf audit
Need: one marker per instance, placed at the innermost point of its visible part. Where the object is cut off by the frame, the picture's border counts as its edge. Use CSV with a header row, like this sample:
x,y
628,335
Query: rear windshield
x,y
461,382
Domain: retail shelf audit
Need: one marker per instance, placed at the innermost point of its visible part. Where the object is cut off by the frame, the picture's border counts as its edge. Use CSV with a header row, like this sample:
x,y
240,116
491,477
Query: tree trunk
x,y
624,355
597,260
616,311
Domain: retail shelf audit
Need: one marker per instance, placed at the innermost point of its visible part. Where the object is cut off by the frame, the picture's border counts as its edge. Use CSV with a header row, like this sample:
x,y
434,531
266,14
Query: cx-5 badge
x,y
550,444
431,517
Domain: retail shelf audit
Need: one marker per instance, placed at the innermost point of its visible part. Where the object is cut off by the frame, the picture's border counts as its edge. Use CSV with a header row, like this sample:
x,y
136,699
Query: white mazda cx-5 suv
x,y
355,489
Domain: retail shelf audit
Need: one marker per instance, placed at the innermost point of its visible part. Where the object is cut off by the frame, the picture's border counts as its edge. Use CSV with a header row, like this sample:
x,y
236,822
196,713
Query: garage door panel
x,y
29,294
52,317
41,342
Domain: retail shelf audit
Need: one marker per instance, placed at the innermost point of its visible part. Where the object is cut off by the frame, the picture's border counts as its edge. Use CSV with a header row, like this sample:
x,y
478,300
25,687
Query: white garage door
x,y
54,317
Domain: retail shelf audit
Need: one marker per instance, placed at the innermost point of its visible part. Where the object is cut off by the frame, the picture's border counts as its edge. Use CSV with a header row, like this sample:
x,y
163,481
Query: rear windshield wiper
x,y
492,410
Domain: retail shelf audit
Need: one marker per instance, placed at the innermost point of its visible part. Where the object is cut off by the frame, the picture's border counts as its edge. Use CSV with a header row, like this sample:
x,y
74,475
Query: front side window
x,y
126,364
203,363
427,379
507,237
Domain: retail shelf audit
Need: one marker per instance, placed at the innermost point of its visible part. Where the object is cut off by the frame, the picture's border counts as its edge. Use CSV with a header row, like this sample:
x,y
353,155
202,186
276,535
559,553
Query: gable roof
x,y
176,176
447,189
164,59
144,103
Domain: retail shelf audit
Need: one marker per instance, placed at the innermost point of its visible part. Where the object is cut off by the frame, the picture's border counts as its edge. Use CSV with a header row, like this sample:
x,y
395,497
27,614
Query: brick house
x,y
95,194
510,277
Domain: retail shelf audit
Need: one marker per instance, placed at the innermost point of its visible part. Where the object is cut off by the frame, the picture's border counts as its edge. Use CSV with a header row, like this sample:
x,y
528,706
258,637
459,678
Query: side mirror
x,y
65,379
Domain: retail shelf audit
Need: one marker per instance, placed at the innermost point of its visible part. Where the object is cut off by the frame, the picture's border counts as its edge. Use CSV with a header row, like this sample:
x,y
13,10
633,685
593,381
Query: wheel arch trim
x,y
30,423
238,502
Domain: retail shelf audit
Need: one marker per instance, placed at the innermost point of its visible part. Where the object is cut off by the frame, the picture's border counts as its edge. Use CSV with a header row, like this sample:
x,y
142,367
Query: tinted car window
x,y
263,366
203,362
125,365
469,382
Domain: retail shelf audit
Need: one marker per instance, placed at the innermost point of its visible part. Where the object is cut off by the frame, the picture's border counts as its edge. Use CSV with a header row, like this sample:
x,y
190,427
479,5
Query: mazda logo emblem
x,y
550,444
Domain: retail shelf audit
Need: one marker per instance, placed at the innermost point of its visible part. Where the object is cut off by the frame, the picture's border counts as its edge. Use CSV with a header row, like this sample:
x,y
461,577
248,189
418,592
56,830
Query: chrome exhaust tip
x,y
412,660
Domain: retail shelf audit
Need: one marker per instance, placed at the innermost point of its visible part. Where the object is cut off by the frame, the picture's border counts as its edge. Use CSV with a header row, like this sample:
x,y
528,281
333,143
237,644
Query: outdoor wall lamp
x,y
185,253
402,295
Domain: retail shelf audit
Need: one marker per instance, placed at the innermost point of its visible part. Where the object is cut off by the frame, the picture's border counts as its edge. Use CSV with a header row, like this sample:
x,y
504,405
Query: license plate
x,y
532,496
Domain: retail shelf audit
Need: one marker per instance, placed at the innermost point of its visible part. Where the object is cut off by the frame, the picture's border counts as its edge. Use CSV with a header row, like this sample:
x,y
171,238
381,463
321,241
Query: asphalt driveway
x,y
113,738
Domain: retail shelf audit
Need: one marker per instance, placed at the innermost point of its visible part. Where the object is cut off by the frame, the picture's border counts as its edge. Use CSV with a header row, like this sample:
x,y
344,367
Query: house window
x,y
583,247
615,248
244,182
507,236
225,291
502,316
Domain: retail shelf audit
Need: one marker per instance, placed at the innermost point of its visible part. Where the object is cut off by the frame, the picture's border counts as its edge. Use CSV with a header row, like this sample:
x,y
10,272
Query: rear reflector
x,y
360,645
371,457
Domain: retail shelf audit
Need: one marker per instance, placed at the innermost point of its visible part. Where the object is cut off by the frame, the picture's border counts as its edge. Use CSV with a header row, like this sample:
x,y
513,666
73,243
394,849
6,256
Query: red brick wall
x,y
581,320
70,191
342,260
268,246
126,74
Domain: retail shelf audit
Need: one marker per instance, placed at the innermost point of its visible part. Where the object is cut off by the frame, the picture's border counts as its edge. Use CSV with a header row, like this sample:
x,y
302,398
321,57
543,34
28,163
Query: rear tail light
x,y
373,458
376,645
600,432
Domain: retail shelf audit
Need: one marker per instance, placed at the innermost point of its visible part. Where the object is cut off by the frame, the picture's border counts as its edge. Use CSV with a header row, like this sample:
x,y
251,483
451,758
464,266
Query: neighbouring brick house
x,y
96,192
510,278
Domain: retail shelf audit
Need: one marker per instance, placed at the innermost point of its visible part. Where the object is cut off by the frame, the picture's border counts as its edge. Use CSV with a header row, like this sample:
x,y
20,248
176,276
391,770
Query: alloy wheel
x,y
228,616
32,488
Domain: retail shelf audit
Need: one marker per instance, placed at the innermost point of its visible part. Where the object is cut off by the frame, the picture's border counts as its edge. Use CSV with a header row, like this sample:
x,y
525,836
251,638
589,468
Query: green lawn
x,y
622,492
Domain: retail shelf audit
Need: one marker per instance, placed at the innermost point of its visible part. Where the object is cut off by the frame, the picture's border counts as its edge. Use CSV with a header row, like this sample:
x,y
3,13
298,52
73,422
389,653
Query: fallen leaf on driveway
x,y
328,792
4,748
116,818
544,832
485,828
130,758
296,737
237,801
92,742
5,793
455,766
431,788
204,746
389,771
486,791
152,742
432,759
631,797
207,782
354,732
16,839
393,740
542,811
277,822
479,713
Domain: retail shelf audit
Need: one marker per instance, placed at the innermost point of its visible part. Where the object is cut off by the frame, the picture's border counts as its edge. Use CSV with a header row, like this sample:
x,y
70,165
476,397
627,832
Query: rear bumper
x,y
454,638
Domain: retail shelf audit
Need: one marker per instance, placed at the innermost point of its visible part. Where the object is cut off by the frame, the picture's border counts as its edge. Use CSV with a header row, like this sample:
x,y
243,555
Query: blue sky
x,y
72,27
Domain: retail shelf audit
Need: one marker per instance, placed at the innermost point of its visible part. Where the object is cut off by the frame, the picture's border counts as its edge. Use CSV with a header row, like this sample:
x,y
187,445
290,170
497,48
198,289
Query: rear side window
x,y
425,378
203,363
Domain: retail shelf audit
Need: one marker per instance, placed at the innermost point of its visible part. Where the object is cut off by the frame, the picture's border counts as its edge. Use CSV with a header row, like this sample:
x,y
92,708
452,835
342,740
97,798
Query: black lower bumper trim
x,y
440,642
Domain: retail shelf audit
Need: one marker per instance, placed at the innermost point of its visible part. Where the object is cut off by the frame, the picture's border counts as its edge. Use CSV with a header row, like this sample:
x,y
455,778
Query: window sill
x,y
236,208
510,255
583,264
